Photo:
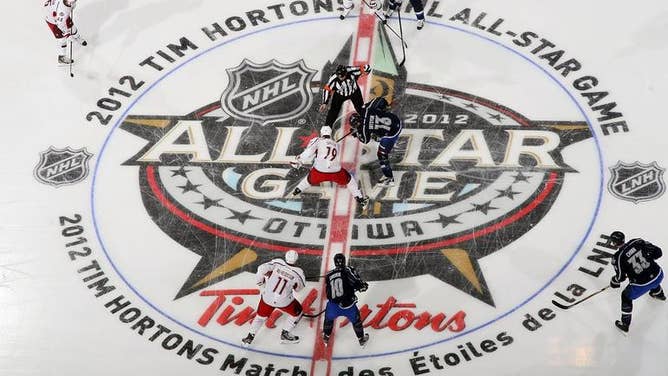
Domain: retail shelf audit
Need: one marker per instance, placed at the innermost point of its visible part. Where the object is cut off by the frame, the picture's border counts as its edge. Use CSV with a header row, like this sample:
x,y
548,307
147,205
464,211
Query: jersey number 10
x,y
336,287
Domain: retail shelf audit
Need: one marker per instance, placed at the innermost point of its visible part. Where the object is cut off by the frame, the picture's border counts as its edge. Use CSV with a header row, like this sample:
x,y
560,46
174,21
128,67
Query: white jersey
x,y
59,14
325,154
280,281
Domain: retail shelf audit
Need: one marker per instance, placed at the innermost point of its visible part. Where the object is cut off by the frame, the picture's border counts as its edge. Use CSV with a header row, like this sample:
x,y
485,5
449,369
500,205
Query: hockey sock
x,y
359,328
327,327
291,322
353,187
627,308
304,184
257,324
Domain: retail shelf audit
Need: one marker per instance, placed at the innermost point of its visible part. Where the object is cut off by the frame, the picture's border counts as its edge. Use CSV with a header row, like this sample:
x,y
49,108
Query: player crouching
x,y
281,279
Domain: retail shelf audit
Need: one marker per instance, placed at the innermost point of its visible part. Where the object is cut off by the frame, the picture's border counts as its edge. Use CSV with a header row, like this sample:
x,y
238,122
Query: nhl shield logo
x,y
269,92
637,181
62,166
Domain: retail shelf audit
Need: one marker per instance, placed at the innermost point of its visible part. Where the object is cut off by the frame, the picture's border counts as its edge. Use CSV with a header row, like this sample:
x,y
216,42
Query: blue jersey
x,y
378,122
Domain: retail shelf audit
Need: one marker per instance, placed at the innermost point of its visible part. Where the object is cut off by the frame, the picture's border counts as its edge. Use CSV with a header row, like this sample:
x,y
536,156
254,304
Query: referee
x,y
341,86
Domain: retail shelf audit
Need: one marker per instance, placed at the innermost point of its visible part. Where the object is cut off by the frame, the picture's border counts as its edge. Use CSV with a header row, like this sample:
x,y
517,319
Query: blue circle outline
x,y
471,330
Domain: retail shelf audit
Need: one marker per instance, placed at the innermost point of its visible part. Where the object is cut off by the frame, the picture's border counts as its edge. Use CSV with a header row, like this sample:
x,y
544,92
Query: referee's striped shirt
x,y
345,87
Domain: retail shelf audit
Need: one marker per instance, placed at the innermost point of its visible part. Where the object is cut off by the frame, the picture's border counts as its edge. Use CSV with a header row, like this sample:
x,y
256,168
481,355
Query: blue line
x,y
570,260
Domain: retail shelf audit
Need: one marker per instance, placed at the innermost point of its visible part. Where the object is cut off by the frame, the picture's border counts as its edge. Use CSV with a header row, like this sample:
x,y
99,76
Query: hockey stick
x,y
71,60
71,55
315,314
384,22
345,135
401,31
565,306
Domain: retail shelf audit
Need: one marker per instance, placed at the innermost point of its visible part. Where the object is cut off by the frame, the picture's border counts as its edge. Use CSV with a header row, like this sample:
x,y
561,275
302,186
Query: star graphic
x,y
484,208
508,192
471,106
180,172
445,220
241,216
209,202
520,177
306,139
496,117
189,187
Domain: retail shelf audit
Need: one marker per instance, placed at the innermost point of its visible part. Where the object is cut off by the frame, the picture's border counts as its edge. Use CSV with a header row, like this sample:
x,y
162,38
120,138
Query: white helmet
x,y
291,257
326,131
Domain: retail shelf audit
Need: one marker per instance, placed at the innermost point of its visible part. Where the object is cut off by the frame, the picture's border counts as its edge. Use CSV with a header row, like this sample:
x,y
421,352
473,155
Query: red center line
x,y
341,210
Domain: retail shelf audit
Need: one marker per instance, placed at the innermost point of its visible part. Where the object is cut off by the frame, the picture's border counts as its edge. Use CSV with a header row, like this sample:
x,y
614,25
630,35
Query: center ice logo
x,y
472,176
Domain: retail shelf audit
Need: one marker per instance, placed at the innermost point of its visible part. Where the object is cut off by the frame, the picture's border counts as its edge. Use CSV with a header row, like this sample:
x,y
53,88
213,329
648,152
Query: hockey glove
x,y
295,163
364,287
366,68
614,283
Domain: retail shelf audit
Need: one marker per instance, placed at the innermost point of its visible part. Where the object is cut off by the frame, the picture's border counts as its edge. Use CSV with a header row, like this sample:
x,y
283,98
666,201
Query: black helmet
x,y
355,120
339,260
617,238
341,70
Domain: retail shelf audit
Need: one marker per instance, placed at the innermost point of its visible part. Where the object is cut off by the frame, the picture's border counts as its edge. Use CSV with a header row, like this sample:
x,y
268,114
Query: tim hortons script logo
x,y
62,166
472,177
229,307
637,181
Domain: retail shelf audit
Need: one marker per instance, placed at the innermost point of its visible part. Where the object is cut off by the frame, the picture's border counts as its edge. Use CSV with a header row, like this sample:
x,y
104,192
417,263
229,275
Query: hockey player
x,y
340,87
326,166
281,279
380,125
342,282
59,20
635,259
417,7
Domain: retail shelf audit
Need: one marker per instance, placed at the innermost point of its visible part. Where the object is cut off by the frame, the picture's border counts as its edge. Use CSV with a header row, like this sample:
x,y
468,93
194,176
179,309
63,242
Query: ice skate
x,y
296,192
286,337
364,340
363,202
420,24
325,339
386,182
62,59
659,296
344,12
248,340
621,326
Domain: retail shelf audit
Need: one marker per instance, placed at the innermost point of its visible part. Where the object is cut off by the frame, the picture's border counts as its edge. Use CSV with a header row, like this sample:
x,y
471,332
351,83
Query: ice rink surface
x,y
141,194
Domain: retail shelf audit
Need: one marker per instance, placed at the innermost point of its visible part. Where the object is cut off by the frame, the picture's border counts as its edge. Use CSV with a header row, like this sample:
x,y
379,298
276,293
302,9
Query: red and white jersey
x,y
325,154
281,280
59,14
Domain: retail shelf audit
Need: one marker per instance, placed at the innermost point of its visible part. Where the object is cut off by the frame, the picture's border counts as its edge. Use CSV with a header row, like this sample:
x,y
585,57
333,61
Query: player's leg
x,y
295,311
418,7
263,312
345,178
392,5
657,293
61,42
334,109
353,314
627,309
384,147
332,311
303,185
